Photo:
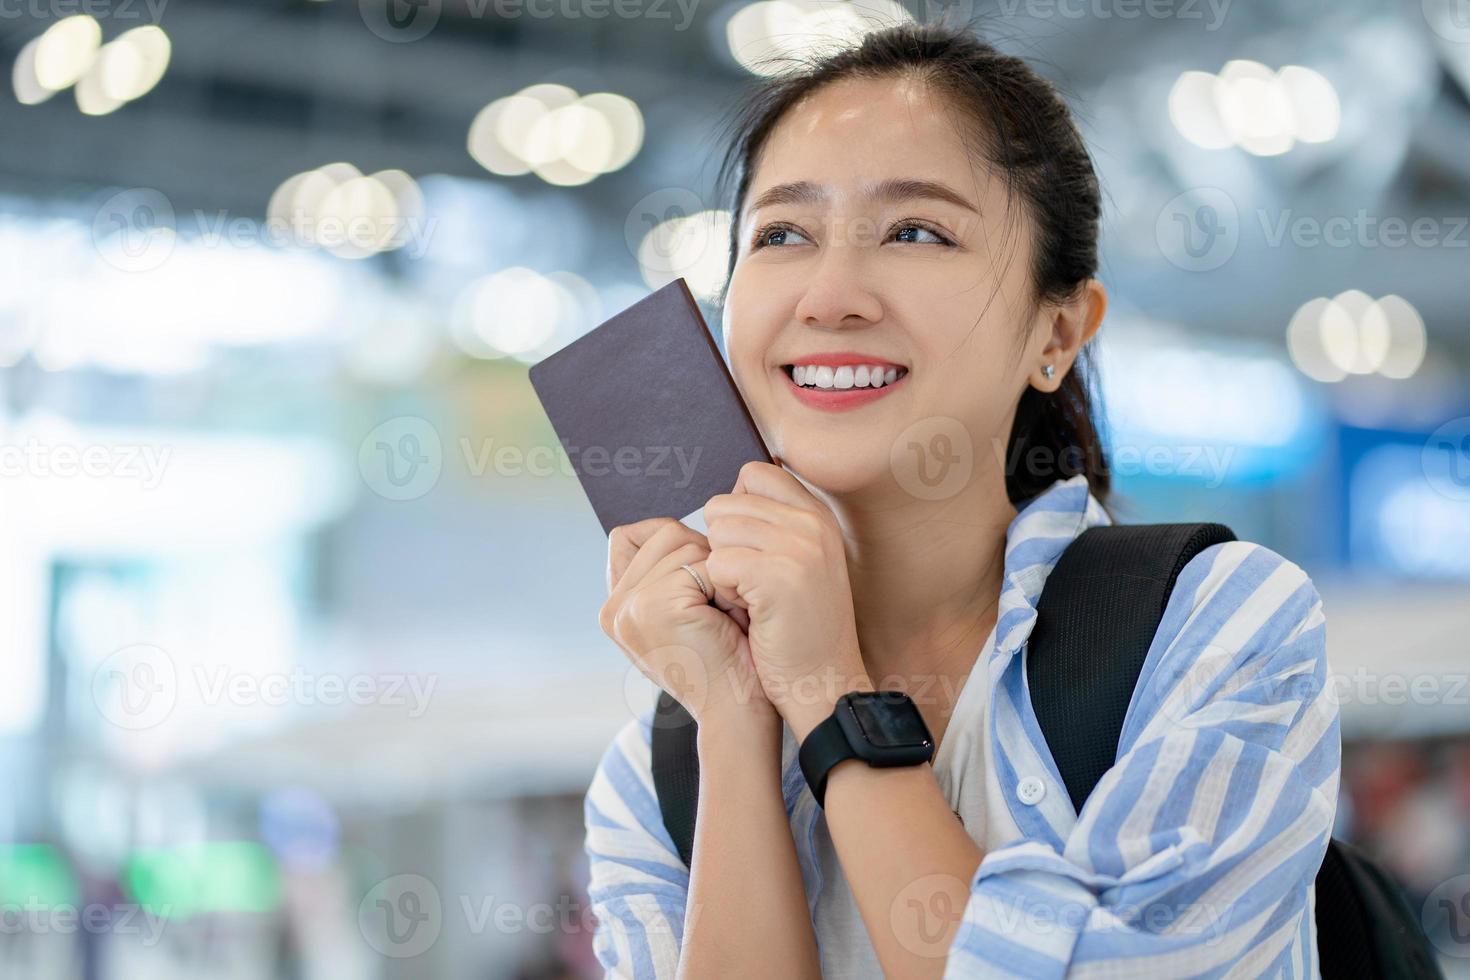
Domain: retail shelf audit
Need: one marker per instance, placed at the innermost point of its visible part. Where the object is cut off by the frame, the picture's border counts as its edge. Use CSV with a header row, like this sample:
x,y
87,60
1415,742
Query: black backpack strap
x,y
1098,612
676,771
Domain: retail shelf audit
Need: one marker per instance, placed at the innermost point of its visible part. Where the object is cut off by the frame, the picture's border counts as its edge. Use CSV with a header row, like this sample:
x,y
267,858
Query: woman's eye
x,y
775,235
935,238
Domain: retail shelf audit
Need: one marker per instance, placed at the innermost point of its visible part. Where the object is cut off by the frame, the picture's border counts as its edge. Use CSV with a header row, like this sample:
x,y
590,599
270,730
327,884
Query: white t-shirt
x,y
959,766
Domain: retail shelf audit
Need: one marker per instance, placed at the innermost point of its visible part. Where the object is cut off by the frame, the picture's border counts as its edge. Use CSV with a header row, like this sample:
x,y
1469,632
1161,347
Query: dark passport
x,y
647,411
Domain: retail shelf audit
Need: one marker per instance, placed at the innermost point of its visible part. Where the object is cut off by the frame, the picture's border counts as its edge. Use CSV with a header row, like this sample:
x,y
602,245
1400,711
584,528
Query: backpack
x,y
1115,580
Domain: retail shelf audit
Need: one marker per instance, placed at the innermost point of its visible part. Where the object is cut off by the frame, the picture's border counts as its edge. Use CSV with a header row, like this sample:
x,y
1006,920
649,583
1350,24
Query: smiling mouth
x,y
815,377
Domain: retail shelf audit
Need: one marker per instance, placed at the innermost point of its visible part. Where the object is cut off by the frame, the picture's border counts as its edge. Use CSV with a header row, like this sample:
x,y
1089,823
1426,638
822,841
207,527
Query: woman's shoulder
x,y
1236,606
1243,578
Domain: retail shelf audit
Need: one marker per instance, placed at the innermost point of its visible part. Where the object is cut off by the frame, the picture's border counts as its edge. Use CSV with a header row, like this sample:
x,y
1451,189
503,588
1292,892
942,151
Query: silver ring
x,y
703,589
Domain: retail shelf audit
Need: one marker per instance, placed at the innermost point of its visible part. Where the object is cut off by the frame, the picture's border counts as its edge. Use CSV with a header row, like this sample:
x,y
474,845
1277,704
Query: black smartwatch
x,y
883,728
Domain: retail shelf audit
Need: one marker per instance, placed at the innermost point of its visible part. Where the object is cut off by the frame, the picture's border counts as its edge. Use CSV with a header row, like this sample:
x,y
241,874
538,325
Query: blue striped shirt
x,y
1196,853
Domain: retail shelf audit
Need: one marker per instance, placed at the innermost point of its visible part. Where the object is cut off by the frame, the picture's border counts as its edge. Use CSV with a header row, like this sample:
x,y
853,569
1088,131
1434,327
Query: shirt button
x,y
1030,790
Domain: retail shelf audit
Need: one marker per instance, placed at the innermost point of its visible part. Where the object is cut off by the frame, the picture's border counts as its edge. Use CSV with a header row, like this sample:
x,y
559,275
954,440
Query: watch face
x,y
889,719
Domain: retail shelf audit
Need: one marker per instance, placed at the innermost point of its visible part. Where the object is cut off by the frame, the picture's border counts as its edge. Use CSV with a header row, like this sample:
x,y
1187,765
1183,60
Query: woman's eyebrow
x,y
891,189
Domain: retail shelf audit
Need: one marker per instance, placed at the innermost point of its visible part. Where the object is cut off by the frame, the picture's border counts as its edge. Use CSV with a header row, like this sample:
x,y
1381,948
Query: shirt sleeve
x,y
1196,853
638,886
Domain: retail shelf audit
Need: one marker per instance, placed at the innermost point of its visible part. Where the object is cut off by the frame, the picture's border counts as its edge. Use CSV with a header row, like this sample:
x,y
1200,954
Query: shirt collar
x,y
1035,540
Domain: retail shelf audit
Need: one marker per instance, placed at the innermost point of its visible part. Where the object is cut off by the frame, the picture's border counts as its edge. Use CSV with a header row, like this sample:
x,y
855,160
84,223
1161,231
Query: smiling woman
x,y
910,296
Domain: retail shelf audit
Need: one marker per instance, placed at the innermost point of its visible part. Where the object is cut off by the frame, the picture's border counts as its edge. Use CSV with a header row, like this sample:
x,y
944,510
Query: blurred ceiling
x,y
258,91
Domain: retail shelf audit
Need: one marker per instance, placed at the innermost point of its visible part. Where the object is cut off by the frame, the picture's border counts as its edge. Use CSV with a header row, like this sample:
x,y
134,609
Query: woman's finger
x,y
770,480
728,567
725,599
692,553
753,506
650,540
740,531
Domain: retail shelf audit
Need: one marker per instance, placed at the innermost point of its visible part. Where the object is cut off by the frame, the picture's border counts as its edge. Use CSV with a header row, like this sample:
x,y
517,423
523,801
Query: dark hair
x,y
1020,124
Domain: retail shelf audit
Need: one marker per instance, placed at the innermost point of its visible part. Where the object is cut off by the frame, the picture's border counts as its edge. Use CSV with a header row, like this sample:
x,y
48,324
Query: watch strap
x,y
824,747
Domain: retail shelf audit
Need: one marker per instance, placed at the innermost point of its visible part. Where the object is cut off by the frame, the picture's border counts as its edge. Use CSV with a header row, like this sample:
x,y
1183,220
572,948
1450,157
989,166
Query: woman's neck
x,y
926,578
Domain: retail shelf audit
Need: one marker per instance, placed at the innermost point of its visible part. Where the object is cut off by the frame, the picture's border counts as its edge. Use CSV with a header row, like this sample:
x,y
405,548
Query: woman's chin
x,y
834,471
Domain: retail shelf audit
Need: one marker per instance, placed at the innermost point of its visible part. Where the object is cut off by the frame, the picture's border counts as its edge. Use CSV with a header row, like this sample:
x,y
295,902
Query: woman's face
x,y
931,289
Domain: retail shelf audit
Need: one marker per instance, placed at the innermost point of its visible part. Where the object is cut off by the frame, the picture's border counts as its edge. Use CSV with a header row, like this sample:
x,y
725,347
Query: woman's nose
x,y
839,291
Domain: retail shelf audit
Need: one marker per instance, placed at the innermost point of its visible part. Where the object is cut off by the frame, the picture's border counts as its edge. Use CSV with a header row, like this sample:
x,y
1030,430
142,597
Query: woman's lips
x,y
838,399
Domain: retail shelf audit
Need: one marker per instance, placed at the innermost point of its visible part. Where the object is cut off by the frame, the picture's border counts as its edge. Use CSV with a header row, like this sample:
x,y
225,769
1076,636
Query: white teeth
x,y
846,376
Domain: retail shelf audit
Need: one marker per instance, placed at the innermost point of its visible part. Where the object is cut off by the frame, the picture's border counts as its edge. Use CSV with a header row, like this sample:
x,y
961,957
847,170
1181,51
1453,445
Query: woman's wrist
x,y
745,727
810,705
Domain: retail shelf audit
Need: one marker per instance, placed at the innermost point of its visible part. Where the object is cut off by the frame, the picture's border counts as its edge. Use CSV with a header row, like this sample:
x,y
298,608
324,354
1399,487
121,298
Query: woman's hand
x,y
777,551
657,614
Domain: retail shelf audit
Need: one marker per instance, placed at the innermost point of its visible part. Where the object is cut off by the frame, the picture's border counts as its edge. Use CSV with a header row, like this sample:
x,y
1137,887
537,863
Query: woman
x,y
922,207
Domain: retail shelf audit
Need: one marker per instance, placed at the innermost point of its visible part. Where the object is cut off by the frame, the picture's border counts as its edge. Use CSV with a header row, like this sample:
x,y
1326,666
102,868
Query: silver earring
x,y
1048,370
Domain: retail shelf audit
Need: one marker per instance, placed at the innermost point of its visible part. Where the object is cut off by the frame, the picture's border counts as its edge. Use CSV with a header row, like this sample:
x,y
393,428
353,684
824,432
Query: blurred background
x,y
302,673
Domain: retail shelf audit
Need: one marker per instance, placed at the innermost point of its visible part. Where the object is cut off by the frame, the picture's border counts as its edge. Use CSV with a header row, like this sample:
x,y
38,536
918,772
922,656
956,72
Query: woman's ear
x,y
1071,325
